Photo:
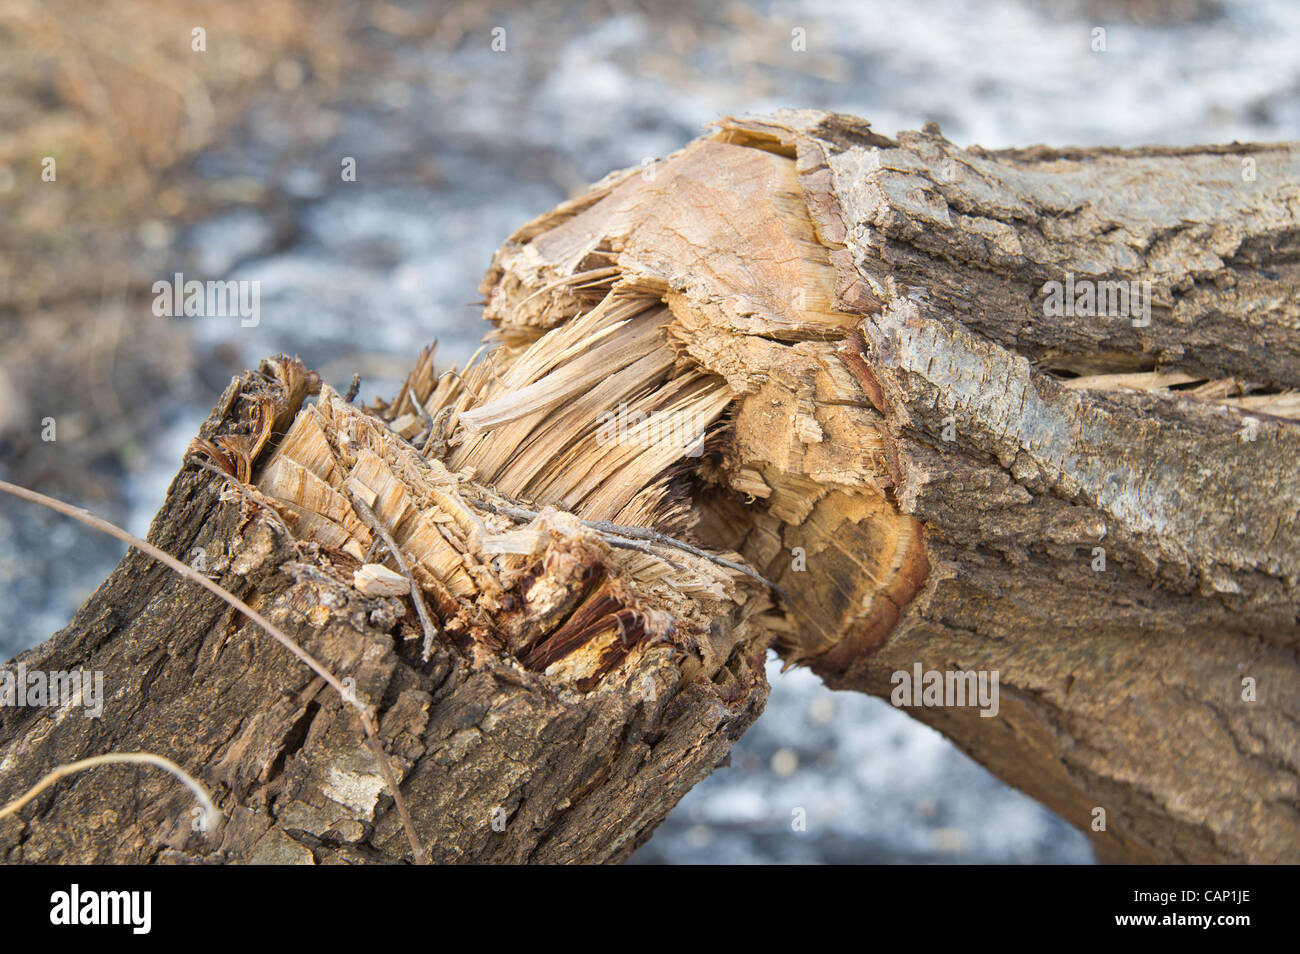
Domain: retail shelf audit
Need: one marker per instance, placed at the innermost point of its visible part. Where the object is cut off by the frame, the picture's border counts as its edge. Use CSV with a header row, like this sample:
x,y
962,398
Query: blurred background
x,y
464,120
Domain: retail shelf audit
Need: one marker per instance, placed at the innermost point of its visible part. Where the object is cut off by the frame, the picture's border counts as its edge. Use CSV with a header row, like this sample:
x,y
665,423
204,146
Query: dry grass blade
x,y
624,536
211,816
372,521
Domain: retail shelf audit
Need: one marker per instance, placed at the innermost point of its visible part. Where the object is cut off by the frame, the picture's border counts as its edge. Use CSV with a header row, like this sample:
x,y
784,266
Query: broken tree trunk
x,y
570,692
899,380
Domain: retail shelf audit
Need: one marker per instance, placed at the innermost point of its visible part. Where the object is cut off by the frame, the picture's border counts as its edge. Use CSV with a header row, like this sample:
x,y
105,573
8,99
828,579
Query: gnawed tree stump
x,y
830,360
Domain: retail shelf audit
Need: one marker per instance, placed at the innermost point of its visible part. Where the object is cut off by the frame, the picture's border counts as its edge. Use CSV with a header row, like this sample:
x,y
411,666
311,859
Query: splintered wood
x,y
552,593
713,403
704,289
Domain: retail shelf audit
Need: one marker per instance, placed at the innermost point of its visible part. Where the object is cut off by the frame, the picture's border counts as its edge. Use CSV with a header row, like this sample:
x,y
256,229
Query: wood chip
x,y
375,579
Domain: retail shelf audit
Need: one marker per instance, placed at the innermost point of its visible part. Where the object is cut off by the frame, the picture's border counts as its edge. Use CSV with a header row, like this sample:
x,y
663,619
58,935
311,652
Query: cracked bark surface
x,y
892,429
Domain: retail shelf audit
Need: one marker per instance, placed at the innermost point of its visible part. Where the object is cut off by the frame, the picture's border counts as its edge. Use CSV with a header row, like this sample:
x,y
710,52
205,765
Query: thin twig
x,y
452,372
188,572
623,543
437,433
210,815
613,531
431,634
420,412
425,420
364,711
354,388
376,545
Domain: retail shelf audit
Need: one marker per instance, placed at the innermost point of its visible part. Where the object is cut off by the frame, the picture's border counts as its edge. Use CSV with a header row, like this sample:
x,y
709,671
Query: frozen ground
x,y
456,145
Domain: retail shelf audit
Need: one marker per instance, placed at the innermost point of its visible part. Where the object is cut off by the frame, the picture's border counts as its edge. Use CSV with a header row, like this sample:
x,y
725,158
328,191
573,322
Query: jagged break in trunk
x,y
825,359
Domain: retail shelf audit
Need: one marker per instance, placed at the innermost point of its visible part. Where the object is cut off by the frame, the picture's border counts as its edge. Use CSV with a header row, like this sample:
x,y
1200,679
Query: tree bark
x,y
833,362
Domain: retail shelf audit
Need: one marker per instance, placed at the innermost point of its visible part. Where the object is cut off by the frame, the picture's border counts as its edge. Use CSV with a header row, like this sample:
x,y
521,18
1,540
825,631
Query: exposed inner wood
x,y
723,309
669,356
551,593
715,405
1225,391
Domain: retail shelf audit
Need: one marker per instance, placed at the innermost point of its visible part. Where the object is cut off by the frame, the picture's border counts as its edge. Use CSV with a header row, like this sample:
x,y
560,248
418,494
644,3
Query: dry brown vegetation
x,y
115,94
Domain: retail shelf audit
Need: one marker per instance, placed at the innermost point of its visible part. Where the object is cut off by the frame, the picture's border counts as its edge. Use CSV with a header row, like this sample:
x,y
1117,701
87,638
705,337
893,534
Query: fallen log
x,y
889,406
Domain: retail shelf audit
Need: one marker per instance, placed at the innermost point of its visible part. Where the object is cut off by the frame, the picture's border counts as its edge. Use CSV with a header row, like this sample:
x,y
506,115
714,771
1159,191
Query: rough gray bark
x,y
1122,686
